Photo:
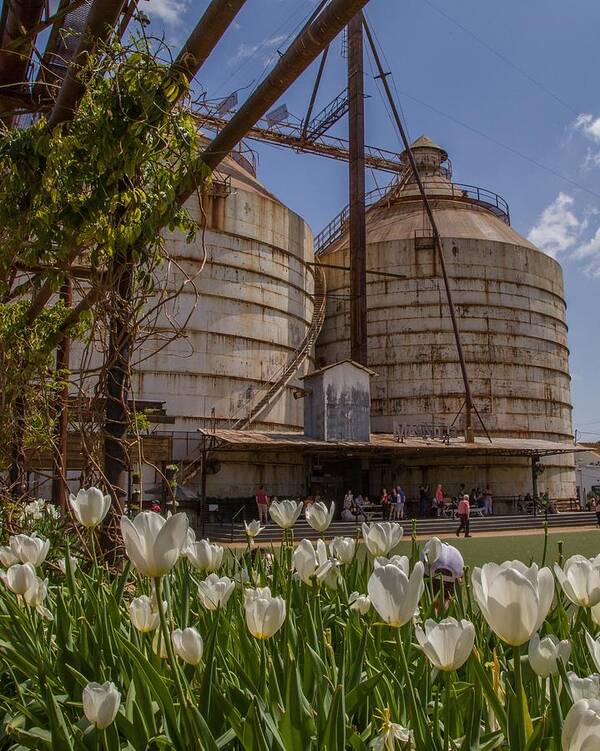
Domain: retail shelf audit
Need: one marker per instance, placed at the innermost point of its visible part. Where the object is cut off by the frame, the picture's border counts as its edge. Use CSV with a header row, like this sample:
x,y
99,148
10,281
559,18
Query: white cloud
x,y
246,51
169,11
589,125
592,159
558,229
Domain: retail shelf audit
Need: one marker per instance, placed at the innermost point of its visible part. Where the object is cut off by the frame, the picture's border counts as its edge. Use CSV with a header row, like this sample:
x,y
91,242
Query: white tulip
x,y
395,560
159,646
513,598
447,644
36,594
285,513
62,564
319,516
381,537
215,591
101,703
35,509
359,602
593,646
343,549
19,578
265,614
153,543
594,611
7,556
30,549
253,529
432,550
90,506
581,728
580,580
304,561
394,595
328,573
584,688
188,645
205,556
544,654
144,614
190,538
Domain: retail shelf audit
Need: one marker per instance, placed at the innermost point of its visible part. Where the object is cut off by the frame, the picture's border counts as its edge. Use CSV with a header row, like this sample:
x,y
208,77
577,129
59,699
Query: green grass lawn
x,y
523,547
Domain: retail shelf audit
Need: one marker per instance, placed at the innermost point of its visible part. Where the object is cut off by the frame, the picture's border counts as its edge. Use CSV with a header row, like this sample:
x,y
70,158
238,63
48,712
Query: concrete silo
x,y
512,316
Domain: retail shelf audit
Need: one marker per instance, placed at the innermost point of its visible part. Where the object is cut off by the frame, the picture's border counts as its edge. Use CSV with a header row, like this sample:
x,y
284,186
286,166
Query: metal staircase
x,y
271,390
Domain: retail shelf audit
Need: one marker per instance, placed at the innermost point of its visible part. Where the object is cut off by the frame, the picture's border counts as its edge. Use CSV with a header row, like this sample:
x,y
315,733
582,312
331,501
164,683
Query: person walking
x,y
262,503
464,510
400,501
438,500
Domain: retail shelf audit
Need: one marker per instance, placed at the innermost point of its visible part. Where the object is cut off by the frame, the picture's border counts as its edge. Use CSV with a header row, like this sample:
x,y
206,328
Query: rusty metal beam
x,y
311,41
99,25
469,407
357,232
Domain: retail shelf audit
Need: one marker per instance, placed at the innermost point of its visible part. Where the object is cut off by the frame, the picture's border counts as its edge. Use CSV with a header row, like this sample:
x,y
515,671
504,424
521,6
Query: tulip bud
x,y
394,595
101,703
188,645
304,561
359,602
581,728
19,578
30,549
159,646
319,516
36,594
584,688
396,560
580,580
144,614
204,556
381,537
90,506
285,513
215,591
153,544
513,598
544,654
343,549
62,564
264,614
447,644
8,556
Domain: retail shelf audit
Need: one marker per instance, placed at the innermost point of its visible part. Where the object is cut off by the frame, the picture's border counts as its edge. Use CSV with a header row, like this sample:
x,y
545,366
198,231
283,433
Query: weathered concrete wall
x,y
247,310
512,316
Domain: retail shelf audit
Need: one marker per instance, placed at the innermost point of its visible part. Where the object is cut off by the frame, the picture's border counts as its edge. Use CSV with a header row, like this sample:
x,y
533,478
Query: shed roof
x,y
385,442
335,364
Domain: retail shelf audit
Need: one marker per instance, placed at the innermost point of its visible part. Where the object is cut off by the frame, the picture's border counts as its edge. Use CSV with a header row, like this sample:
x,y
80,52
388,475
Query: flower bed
x,y
187,646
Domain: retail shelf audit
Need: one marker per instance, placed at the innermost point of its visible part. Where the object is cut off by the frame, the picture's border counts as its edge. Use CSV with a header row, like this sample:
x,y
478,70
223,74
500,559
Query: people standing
x,y
423,496
393,498
400,501
464,511
262,503
385,504
488,507
438,500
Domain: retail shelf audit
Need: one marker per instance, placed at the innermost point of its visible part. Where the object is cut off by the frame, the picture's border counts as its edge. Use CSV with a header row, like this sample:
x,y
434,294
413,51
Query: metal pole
x,y
294,61
203,493
59,487
534,462
357,222
469,433
313,96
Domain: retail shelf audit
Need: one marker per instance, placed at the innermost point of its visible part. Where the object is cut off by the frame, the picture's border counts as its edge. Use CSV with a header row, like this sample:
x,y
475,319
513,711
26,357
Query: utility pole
x,y
357,222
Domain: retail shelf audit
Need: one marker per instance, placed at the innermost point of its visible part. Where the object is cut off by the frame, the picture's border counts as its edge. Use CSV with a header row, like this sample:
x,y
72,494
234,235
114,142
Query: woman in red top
x,y
385,504
463,511
262,503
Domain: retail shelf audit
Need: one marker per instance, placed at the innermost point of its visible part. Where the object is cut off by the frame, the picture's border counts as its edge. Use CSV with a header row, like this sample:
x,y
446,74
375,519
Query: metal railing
x,y
454,191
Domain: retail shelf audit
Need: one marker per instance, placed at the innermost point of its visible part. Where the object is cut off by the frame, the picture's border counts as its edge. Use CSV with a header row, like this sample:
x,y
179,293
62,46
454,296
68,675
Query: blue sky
x,y
509,89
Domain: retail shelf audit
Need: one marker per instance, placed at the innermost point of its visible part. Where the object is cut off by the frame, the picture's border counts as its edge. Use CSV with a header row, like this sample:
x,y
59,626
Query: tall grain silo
x,y
246,317
510,303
